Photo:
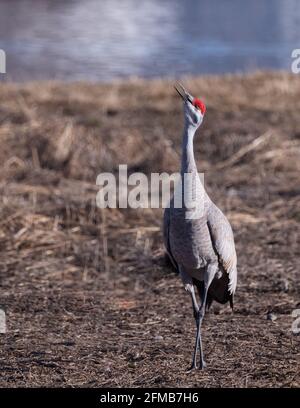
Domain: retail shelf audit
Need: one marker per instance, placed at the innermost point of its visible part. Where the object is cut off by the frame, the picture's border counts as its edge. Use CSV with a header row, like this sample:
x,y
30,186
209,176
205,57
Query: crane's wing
x,y
166,233
223,242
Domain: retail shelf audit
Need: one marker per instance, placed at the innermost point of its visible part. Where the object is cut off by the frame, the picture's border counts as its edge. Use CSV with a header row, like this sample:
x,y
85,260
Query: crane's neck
x,y
188,164
194,196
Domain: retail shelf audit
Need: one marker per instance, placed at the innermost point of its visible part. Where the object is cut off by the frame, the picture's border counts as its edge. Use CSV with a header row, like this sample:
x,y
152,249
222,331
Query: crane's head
x,y
194,108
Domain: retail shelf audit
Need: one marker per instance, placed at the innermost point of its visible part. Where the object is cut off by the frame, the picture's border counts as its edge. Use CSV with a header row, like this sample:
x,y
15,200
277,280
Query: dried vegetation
x,y
89,298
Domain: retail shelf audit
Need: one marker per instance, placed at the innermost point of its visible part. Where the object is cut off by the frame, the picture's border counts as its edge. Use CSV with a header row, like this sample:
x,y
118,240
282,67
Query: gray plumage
x,y
198,237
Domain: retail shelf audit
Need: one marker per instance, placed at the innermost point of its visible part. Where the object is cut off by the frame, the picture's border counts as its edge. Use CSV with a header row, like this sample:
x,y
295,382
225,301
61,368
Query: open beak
x,y
183,93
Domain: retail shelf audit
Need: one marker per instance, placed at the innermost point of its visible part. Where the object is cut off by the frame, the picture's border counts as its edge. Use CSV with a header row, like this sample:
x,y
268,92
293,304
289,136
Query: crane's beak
x,y
183,93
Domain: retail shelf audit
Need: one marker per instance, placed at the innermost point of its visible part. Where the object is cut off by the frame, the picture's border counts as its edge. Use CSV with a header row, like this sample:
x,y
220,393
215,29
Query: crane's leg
x,y
208,277
189,287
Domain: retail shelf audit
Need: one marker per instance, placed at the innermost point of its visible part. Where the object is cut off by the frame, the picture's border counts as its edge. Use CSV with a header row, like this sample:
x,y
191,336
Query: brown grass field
x,y
89,297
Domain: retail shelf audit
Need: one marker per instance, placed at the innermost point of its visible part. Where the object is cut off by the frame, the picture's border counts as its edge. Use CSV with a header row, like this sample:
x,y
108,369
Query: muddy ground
x,y
89,297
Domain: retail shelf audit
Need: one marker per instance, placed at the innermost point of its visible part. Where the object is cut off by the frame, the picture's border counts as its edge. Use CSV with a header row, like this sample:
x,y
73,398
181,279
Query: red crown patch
x,y
200,105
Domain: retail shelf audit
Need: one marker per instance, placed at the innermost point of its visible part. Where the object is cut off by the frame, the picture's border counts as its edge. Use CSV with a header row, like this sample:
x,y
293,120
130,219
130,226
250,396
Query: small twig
x,y
244,150
35,158
140,229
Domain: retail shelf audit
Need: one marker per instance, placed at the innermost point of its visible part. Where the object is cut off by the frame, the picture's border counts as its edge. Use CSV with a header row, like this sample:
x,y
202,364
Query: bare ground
x,y
89,298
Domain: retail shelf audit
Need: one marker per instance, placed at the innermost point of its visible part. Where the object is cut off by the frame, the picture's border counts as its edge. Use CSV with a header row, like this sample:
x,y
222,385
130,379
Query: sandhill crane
x,y
199,239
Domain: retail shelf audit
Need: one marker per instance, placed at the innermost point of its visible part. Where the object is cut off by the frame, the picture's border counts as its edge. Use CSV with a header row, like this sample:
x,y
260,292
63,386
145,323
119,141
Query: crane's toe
x,y
192,368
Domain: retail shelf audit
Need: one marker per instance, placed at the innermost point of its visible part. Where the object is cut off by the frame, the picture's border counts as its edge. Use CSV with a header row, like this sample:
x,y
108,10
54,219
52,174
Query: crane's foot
x,y
192,367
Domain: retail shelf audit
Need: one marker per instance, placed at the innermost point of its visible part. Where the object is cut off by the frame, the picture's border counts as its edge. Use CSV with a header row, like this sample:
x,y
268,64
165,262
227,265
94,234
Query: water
x,y
107,39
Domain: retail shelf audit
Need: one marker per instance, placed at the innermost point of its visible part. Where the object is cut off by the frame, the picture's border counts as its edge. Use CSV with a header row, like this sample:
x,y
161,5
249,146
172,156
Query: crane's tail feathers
x,y
219,290
232,273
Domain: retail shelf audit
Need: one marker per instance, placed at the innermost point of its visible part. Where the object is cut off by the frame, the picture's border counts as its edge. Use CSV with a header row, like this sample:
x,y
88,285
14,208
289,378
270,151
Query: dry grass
x,y
89,298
